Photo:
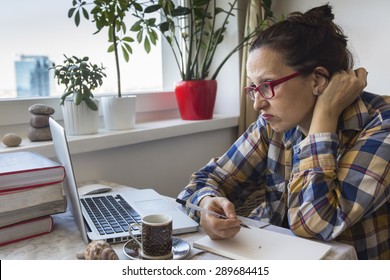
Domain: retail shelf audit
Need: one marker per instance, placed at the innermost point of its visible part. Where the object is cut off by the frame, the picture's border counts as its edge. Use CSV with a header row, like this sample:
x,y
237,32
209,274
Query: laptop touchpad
x,y
154,206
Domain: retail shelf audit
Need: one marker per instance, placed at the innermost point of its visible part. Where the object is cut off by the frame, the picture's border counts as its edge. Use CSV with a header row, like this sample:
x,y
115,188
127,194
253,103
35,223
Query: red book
x,y
25,230
25,204
21,170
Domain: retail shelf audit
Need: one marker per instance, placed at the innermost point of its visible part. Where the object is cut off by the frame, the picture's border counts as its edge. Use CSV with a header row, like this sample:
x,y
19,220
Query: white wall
x,y
367,24
228,79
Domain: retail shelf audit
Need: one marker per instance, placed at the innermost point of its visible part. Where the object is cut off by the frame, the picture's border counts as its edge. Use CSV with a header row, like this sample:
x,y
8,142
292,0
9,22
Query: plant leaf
x,y
140,36
137,6
92,105
147,45
70,12
128,39
136,26
111,48
181,11
152,8
78,97
153,36
151,21
128,47
85,13
125,54
164,26
77,18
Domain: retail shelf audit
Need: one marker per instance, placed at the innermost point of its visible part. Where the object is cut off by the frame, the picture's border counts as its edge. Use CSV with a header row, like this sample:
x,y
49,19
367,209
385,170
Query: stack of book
x,y
30,192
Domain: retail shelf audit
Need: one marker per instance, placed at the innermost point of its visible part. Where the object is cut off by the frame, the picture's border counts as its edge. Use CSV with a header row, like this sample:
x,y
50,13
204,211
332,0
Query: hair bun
x,y
318,16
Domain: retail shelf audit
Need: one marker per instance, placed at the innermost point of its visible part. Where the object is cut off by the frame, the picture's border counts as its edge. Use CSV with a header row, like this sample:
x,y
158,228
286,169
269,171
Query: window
x,y
36,33
41,30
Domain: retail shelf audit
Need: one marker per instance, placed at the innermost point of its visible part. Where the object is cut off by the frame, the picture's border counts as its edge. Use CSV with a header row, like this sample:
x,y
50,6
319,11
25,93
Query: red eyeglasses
x,y
266,89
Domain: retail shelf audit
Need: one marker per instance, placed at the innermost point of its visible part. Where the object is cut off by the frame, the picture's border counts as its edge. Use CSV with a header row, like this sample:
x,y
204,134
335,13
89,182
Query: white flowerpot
x,y
118,112
80,119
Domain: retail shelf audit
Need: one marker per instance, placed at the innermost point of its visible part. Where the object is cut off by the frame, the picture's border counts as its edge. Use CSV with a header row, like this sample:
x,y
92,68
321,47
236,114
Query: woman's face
x,y
294,101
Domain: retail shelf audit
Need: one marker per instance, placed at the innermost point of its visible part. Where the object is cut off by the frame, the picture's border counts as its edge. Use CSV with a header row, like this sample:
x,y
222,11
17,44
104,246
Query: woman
x,y
319,152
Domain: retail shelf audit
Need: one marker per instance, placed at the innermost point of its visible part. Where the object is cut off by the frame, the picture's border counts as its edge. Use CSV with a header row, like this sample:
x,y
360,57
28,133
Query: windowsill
x,y
169,125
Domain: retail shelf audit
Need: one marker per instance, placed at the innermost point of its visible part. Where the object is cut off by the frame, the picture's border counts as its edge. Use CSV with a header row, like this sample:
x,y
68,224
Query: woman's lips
x,y
267,116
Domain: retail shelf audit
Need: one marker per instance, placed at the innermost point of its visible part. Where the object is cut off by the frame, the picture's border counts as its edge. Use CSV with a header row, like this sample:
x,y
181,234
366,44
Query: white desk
x,y
64,242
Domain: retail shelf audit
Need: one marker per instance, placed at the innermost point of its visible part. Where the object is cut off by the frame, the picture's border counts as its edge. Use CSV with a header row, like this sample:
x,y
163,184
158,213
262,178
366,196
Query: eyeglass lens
x,y
264,89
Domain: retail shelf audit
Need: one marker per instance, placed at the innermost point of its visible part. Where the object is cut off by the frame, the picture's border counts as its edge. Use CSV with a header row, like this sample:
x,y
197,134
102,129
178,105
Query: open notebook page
x,y
260,244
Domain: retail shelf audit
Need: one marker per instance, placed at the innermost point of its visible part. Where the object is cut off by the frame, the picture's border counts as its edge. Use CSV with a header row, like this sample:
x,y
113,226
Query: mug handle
x,y
135,237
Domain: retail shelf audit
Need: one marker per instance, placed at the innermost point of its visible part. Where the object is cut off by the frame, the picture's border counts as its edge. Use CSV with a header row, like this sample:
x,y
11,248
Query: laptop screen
x,y
70,188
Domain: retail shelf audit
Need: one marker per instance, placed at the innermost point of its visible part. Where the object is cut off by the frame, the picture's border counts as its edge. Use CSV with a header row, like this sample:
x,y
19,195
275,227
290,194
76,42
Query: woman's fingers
x,y
215,227
362,74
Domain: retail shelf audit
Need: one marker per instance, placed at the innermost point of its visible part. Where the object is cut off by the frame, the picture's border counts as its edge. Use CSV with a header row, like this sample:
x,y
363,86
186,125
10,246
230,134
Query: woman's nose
x,y
259,102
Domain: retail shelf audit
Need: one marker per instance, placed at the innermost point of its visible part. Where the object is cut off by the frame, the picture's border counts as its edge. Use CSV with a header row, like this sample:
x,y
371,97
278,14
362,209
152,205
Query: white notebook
x,y
261,244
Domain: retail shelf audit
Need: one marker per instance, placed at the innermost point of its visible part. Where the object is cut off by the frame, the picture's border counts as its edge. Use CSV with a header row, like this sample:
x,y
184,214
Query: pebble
x,y
39,134
39,121
41,109
12,140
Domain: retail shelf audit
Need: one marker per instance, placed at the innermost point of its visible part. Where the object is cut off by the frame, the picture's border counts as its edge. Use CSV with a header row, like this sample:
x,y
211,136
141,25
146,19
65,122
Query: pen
x,y
200,209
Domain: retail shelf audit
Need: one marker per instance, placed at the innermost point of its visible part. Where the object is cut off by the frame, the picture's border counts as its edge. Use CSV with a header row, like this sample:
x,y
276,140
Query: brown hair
x,y
308,40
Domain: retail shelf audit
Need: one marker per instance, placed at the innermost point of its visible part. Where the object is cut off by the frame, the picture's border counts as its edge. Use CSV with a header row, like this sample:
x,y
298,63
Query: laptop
x,y
125,207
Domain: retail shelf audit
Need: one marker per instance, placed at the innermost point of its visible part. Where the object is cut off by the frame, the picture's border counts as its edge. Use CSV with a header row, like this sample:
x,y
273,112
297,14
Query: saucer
x,y
180,249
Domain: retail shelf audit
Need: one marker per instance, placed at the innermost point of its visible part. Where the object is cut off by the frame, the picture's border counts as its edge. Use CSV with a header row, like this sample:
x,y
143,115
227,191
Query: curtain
x,y
248,115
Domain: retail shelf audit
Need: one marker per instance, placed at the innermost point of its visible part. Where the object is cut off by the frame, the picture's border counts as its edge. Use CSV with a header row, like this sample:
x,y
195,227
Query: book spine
x,y
19,199
32,186
24,238
34,170
28,236
27,188
44,209
19,170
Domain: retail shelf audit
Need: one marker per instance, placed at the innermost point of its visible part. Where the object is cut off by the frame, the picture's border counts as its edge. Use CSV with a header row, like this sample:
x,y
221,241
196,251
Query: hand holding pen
x,y
217,226
204,210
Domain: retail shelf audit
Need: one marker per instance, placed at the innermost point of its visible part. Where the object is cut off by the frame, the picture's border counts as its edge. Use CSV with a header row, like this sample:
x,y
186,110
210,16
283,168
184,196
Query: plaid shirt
x,y
329,186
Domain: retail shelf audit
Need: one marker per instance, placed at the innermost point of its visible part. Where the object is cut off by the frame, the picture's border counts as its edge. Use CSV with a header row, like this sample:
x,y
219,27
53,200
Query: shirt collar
x,y
292,136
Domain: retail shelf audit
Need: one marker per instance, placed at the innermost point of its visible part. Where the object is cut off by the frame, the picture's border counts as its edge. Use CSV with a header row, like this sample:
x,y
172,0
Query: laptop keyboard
x,y
110,214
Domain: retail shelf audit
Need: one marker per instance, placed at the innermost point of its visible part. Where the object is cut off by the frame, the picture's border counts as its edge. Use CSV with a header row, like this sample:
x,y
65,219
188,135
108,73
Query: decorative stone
x,y
39,121
39,134
12,140
41,109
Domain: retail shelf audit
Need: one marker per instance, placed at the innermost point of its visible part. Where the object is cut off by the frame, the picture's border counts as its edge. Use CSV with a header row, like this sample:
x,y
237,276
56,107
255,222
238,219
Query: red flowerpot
x,y
196,99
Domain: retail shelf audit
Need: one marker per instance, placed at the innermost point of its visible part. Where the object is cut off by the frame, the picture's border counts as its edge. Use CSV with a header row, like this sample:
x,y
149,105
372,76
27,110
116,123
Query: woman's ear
x,y
321,80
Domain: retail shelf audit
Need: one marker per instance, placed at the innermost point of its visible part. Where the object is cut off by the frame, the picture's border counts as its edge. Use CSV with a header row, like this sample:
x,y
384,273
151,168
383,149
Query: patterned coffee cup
x,y
156,236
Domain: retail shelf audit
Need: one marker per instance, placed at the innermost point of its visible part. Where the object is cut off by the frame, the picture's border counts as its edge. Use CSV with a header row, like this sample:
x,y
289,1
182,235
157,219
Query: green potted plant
x,y
80,77
195,44
118,111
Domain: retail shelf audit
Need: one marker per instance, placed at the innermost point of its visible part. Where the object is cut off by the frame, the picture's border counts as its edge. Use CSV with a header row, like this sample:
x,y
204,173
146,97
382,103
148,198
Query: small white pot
x,y
118,112
80,119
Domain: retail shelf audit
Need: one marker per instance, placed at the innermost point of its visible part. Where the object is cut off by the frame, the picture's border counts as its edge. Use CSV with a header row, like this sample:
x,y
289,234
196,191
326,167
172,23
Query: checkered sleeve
x,y
235,174
328,192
